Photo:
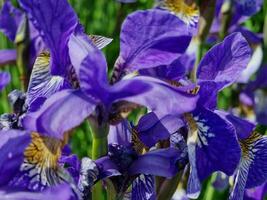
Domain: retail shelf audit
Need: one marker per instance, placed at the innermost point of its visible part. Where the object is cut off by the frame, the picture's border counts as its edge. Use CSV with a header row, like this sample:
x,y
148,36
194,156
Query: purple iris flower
x,y
252,169
218,69
13,144
95,92
31,169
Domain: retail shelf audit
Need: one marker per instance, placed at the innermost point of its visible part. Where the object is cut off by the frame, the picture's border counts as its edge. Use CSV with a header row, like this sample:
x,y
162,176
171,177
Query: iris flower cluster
x,y
180,136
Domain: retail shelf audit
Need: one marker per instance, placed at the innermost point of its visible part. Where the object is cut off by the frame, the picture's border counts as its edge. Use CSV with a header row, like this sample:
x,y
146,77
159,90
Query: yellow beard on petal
x,y
43,151
180,8
41,162
248,143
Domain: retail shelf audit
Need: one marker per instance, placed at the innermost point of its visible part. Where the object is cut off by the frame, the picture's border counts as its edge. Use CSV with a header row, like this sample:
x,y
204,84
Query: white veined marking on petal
x,y
203,132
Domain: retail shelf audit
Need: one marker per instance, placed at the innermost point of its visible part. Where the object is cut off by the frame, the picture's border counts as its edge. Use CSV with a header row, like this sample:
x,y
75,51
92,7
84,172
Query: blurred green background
x,y
104,17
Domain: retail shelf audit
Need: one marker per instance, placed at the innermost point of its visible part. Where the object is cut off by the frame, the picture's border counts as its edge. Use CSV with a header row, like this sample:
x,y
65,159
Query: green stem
x,y
199,54
168,187
207,11
23,56
226,19
99,149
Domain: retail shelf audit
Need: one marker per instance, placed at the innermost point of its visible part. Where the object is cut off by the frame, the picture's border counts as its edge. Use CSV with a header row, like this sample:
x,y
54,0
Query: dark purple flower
x,y
136,168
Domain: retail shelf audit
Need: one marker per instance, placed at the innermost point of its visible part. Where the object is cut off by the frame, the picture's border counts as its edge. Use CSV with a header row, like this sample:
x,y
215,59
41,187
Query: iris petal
x,y
55,117
252,170
55,28
143,188
12,145
224,62
150,39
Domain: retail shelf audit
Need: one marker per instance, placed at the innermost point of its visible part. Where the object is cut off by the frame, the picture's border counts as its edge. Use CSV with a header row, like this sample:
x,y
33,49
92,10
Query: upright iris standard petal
x,y
55,117
12,145
7,57
55,27
225,61
10,18
148,39
252,170
217,148
90,66
162,162
4,79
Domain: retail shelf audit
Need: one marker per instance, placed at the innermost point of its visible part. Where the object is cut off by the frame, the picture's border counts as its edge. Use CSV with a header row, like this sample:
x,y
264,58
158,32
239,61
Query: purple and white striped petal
x,y
252,170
